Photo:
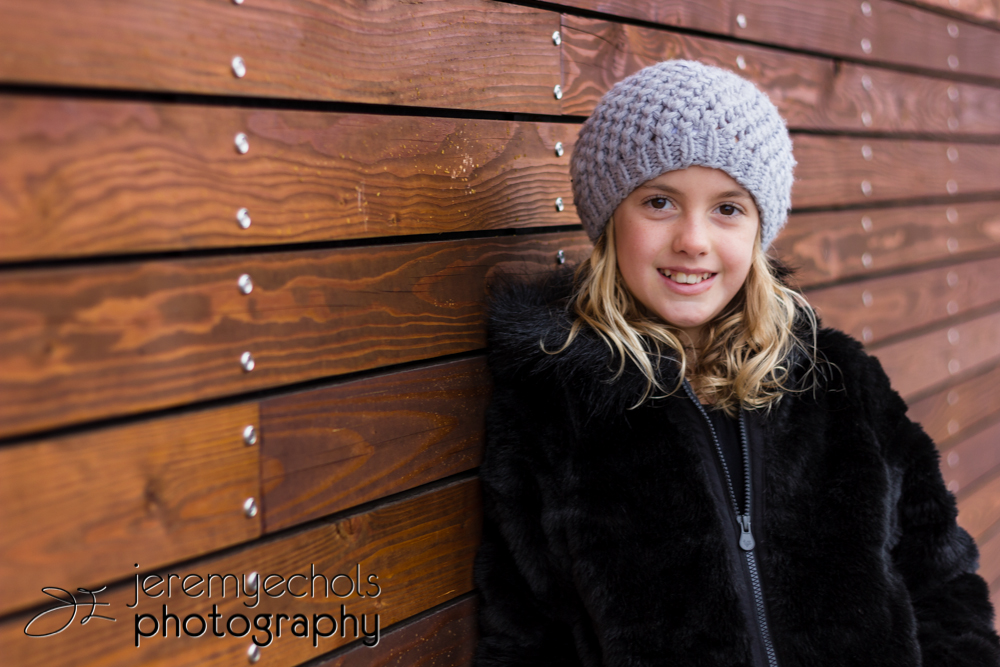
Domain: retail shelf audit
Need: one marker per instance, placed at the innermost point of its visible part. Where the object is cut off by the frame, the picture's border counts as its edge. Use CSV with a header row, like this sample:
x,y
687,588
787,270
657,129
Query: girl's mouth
x,y
685,278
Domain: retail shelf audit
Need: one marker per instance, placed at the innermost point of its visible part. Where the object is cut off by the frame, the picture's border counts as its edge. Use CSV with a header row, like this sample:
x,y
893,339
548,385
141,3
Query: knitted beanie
x,y
673,115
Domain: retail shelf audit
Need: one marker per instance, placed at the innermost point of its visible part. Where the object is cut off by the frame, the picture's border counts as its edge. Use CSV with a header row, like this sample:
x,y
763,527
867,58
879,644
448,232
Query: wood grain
x,y
873,310
80,343
81,510
972,459
832,245
979,509
83,177
921,363
812,93
897,33
446,638
469,54
982,11
329,449
709,15
949,414
420,551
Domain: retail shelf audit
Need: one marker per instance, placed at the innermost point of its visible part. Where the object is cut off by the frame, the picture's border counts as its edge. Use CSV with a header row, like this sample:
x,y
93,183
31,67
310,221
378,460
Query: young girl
x,y
681,467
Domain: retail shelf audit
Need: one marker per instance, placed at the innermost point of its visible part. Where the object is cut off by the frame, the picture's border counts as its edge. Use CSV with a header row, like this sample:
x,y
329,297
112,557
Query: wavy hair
x,y
746,352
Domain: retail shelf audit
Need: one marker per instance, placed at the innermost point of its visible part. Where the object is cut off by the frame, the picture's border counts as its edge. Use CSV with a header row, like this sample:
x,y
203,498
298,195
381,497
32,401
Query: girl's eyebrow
x,y
674,191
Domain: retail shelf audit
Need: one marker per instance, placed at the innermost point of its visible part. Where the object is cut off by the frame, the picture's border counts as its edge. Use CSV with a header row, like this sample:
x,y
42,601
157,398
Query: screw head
x,y
243,218
953,456
741,62
250,435
952,154
951,186
250,507
866,259
952,279
953,245
253,579
953,30
560,257
866,188
242,143
952,215
866,8
253,654
866,152
559,204
559,149
245,283
953,61
952,123
866,82
953,93
239,67
557,91
867,298
246,360
557,38
866,334
866,223
866,45
237,2
741,20
952,307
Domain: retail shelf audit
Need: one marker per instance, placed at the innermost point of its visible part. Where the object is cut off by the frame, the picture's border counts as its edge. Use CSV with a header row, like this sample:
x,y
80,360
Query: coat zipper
x,y
746,541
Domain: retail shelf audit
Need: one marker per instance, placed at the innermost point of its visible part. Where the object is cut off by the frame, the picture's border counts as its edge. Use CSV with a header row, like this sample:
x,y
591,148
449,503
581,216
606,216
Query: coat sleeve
x,y
937,558
523,613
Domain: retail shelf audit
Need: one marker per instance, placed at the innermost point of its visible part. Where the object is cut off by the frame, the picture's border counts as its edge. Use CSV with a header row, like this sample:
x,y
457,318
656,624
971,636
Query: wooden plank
x,y
989,561
837,169
950,413
80,510
467,54
329,449
709,15
446,638
970,460
409,556
979,509
918,364
811,93
979,11
832,245
80,343
873,310
895,33
81,177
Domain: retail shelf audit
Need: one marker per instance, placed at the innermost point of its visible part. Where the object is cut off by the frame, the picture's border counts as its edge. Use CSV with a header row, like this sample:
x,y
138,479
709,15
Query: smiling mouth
x,y
685,278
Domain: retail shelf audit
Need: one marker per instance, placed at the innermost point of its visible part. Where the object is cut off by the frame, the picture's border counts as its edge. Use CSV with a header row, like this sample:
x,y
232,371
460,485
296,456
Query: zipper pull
x,y
746,537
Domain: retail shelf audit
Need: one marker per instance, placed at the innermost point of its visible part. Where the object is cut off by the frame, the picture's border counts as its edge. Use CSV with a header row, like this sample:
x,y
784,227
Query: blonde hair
x,y
744,356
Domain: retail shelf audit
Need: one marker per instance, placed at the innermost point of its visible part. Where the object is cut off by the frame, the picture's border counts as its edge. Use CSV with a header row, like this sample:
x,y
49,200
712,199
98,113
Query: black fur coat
x,y
608,541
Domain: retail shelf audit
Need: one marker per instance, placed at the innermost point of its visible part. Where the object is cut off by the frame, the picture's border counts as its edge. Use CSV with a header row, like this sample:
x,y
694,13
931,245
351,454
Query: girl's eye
x,y
659,202
729,210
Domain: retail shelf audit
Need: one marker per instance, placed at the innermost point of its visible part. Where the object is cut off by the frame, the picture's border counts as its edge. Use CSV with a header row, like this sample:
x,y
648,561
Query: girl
x,y
681,467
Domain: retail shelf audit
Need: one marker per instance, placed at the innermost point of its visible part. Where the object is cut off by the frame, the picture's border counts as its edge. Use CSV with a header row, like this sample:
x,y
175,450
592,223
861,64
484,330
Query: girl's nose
x,y
691,237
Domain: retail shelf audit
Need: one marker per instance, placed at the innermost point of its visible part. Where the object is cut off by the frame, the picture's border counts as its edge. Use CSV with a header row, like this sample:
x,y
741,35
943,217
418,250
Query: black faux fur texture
x,y
608,541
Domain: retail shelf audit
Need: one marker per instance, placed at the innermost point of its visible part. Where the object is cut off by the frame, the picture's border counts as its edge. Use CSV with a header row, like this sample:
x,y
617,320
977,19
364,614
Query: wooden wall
x,y
242,254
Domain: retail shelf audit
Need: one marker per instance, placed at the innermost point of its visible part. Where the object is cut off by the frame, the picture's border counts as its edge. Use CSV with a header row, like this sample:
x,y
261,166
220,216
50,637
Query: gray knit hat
x,y
673,115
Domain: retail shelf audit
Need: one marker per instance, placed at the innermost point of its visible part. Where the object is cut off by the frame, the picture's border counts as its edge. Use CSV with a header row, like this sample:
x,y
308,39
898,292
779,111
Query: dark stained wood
x,y
329,449
971,459
81,343
470,54
951,412
420,551
920,363
81,510
80,177
710,15
979,509
832,245
810,92
897,33
873,310
446,638
834,169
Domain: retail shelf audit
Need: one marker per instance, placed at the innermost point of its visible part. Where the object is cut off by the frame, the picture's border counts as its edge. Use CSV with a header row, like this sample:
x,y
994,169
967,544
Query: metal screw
x,y
953,30
866,8
952,279
560,257
866,82
741,20
250,435
246,360
952,123
243,218
740,62
952,154
953,336
866,45
952,397
866,334
953,93
953,245
952,307
866,188
866,259
242,144
253,653
237,2
250,507
253,579
866,298
557,38
557,91
951,186
559,204
559,149
952,456
954,366
866,119
952,215
866,152
953,484
245,283
866,223
953,61
239,67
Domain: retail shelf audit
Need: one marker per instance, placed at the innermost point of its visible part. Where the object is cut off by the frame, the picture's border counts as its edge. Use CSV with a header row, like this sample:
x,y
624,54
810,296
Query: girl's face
x,y
684,243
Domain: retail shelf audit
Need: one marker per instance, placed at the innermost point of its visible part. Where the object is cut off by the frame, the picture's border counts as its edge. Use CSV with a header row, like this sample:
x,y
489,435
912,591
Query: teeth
x,y
687,278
